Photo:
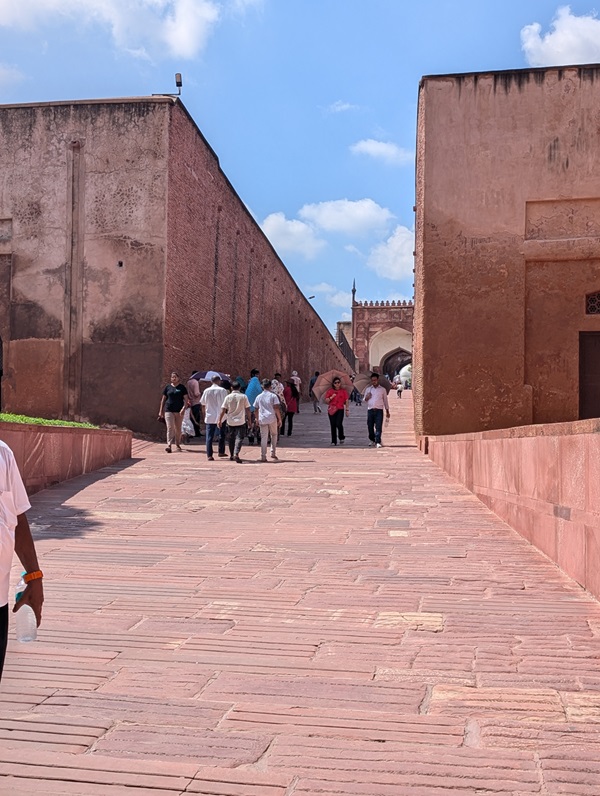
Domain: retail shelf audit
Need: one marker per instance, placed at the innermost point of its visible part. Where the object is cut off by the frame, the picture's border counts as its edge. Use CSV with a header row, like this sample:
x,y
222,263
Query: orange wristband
x,y
33,575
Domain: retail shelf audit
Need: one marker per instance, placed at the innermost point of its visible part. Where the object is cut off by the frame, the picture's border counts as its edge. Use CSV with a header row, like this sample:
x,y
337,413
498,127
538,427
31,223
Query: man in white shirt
x,y
211,402
237,408
269,419
376,400
15,536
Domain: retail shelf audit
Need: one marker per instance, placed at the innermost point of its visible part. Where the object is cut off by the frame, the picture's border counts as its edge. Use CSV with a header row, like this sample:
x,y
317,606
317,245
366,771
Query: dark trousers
x,y
375,424
196,414
3,635
213,434
235,438
289,416
336,421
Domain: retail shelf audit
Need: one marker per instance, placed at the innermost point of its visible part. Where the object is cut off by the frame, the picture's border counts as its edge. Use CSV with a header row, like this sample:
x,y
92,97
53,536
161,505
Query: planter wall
x,y
543,480
49,454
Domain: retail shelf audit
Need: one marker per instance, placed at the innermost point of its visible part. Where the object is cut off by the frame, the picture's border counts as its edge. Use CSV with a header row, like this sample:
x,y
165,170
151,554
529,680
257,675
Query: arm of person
x,y
186,401
386,404
347,404
221,416
25,550
278,413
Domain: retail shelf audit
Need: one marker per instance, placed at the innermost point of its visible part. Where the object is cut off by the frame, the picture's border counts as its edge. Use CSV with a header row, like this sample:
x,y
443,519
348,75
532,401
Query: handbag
x,y
331,409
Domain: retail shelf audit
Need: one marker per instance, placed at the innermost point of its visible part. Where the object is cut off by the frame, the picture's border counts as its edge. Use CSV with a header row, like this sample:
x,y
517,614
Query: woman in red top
x,y
290,396
337,403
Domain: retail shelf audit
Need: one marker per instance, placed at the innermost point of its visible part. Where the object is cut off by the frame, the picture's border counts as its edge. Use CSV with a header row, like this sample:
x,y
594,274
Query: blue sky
x,y
309,104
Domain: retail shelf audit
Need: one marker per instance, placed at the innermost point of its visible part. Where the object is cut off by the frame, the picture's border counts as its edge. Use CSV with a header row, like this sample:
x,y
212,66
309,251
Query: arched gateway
x,y
382,334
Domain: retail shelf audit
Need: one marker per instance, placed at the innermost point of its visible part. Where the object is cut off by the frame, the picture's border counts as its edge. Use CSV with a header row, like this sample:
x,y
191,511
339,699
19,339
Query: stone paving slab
x,y
343,621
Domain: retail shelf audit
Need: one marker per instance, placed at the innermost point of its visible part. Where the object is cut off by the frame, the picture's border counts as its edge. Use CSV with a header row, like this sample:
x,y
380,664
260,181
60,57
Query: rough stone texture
x,y
542,480
507,235
124,252
260,631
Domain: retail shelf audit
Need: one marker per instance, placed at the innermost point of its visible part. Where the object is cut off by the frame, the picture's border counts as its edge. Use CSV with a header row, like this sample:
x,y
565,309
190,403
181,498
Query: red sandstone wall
x,y
47,455
230,302
82,241
542,480
370,319
508,235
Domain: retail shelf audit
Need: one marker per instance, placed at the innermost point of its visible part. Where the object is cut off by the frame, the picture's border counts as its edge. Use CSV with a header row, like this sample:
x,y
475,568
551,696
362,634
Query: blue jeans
x,y
375,424
214,435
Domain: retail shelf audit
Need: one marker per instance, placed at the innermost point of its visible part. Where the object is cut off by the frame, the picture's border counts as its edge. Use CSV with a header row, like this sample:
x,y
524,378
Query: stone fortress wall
x,y
125,253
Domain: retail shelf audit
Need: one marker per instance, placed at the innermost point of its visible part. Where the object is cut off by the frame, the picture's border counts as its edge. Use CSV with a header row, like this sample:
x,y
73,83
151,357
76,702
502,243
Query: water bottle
x,y
25,621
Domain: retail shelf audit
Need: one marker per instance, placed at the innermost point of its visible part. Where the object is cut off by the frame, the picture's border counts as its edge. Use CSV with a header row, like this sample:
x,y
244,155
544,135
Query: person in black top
x,y
172,406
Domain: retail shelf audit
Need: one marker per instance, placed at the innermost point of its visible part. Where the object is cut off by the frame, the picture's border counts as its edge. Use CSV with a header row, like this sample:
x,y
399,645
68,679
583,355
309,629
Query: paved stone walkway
x,y
345,621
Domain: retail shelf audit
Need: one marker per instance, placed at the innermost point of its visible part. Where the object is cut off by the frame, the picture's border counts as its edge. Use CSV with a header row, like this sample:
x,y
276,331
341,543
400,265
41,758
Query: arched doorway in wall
x,y
390,350
394,363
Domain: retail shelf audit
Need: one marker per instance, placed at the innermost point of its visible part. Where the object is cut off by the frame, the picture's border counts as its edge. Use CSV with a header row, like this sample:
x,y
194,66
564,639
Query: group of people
x,y
338,407
231,411
260,410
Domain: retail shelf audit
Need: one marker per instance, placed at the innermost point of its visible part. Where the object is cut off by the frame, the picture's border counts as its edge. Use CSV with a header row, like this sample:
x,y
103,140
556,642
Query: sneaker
x,y
371,444
379,445
222,455
179,448
168,449
238,460
211,458
263,458
333,443
342,442
231,459
274,456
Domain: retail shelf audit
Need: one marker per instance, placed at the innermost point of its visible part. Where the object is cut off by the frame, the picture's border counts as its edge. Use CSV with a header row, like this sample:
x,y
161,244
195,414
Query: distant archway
x,y
383,347
394,362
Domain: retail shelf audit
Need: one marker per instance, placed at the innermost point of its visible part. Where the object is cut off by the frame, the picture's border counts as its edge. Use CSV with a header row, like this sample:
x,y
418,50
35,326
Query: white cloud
x,y
341,107
346,316
141,27
383,150
292,236
571,40
322,287
344,215
9,75
333,296
352,249
394,258
339,299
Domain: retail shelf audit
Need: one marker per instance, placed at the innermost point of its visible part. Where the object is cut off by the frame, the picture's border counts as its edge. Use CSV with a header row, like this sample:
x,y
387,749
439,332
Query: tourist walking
x,y
237,408
337,401
172,406
253,389
311,395
291,398
267,408
211,402
298,382
193,388
15,536
377,401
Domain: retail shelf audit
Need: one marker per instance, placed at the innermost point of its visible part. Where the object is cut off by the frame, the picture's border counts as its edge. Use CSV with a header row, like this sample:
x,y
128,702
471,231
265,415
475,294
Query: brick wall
x,y
230,303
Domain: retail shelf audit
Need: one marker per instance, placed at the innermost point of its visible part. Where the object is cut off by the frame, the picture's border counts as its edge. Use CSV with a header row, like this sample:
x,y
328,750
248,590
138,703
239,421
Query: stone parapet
x,y
543,480
47,455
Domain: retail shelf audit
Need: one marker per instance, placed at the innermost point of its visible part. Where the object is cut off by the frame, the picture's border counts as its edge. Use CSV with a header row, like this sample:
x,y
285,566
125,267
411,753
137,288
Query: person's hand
x,y
218,424
182,412
34,597
388,415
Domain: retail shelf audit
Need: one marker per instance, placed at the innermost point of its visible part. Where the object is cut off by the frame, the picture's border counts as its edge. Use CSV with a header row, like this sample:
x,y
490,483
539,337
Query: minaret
x,y
353,292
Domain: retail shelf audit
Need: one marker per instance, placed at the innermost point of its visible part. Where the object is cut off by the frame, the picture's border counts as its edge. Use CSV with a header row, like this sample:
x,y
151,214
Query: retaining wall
x,y
543,480
49,454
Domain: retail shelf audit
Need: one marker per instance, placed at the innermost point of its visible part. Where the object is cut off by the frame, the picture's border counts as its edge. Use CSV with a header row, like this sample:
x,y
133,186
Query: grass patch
x,y
41,421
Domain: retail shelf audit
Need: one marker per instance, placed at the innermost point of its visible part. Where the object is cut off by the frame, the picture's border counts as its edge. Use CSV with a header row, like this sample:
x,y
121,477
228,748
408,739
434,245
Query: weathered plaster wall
x,y
227,289
370,319
508,229
82,203
125,253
